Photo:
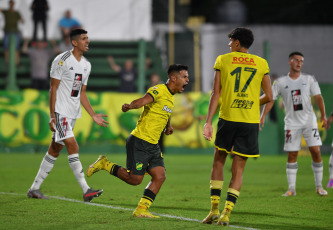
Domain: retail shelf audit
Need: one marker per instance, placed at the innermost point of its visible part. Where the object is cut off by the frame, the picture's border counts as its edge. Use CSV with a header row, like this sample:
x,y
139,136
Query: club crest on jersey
x,y
165,108
60,62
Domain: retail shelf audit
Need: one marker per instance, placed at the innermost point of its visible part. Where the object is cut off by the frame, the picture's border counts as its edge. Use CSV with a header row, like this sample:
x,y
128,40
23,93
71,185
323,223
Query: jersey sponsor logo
x,y
76,85
242,104
243,61
165,108
297,99
138,166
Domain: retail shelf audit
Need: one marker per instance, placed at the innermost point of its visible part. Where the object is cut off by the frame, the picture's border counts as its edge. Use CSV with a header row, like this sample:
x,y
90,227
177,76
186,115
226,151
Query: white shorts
x,y
64,128
293,138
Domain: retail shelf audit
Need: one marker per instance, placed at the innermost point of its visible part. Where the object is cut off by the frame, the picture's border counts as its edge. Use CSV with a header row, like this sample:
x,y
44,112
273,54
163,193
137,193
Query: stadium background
x,y
200,35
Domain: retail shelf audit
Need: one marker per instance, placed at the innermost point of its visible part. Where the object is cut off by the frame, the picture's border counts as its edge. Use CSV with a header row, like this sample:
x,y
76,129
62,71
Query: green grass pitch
x,y
185,194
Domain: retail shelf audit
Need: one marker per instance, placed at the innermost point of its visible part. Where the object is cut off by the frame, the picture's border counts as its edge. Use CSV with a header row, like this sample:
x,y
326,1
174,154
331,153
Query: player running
x,y
69,77
296,90
143,151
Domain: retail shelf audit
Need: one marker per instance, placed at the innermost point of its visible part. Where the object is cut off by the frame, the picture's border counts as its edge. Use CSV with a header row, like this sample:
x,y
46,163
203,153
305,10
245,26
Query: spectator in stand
x,y
65,44
12,17
67,23
128,75
39,15
40,57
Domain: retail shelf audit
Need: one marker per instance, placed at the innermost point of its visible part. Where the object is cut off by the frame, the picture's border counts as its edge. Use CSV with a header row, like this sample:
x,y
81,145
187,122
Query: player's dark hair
x,y
176,68
295,53
243,35
74,33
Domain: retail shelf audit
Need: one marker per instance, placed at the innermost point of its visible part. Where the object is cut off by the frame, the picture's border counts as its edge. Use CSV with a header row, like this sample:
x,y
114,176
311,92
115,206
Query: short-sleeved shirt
x,y
72,74
39,60
155,114
296,96
11,18
241,77
68,23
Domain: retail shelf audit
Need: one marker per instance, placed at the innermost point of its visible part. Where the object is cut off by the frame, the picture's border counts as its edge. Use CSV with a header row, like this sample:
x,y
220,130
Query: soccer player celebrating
x,y
69,77
296,89
239,76
143,151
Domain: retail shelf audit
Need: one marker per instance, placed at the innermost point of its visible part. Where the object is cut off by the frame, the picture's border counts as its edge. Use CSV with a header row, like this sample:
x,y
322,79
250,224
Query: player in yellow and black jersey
x,y
239,76
143,151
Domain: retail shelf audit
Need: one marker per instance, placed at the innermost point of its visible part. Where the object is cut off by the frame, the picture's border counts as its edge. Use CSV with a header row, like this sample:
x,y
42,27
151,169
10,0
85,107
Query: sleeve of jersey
x,y
266,70
275,89
218,64
154,92
314,87
57,68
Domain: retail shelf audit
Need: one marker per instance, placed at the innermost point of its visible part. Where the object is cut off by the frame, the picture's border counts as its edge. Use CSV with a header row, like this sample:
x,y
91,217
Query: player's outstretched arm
x,y
267,107
138,103
98,118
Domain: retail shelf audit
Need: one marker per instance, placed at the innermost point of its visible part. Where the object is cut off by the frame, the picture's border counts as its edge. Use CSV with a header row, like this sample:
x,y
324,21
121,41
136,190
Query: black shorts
x,y
243,137
142,156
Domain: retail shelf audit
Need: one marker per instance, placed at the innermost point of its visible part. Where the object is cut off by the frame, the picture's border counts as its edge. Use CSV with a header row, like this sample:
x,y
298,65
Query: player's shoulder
x,y
60,59
308,76
282,79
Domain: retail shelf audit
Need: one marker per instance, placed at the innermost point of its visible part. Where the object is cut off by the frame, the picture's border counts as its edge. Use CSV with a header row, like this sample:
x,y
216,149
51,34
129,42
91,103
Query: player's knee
x,y
160,178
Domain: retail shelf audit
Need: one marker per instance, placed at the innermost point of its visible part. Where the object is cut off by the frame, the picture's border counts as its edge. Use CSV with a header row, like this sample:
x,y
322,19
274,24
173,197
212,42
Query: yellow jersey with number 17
x,y
155,115
241,76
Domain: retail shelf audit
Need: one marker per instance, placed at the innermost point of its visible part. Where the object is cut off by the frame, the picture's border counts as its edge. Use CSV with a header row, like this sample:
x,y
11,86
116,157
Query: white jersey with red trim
x,y
72,74
296,95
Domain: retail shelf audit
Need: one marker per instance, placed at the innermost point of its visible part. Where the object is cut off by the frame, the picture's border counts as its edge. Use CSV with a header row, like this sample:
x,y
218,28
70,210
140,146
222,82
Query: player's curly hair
x,y
243,35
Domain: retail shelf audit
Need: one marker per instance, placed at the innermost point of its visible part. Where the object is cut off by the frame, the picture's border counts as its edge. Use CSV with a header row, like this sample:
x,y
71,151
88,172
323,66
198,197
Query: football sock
x,y
291,175
230,202
318,173
112,168
215,194
331,166
147,199
45,168
76,166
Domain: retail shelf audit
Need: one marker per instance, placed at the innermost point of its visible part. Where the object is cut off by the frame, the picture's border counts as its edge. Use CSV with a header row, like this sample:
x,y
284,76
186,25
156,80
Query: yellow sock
x,y
108,166
231,200
215,193
144,203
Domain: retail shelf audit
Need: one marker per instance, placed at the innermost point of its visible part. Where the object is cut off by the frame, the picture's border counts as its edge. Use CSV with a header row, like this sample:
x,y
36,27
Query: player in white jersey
x,y
69,76
296,90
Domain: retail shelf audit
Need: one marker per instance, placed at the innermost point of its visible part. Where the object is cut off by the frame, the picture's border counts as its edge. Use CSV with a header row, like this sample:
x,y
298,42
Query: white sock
x,y
331,166
45,168
318,173
291,175
76,166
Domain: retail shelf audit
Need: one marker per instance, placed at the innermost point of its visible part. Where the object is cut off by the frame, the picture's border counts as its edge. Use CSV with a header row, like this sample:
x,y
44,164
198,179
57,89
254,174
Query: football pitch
x,y
184,199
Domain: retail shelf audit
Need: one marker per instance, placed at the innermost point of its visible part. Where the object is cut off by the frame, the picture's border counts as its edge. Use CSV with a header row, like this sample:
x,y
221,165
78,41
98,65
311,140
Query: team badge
x,y
139,166
60,63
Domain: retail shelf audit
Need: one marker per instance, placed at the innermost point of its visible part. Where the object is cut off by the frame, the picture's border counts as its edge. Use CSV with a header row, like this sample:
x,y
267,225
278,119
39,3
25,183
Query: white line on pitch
x,y
126,209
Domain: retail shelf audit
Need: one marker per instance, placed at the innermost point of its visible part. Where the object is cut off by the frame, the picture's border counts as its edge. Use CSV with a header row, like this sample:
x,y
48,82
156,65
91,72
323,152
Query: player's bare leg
x,y
318,169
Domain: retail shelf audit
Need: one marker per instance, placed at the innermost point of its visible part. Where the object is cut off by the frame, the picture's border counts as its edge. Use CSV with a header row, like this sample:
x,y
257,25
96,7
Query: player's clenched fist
x,y
125,107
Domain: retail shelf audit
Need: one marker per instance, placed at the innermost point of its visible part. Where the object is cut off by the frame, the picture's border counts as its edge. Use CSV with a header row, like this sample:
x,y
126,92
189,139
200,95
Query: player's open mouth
x,y
184,86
